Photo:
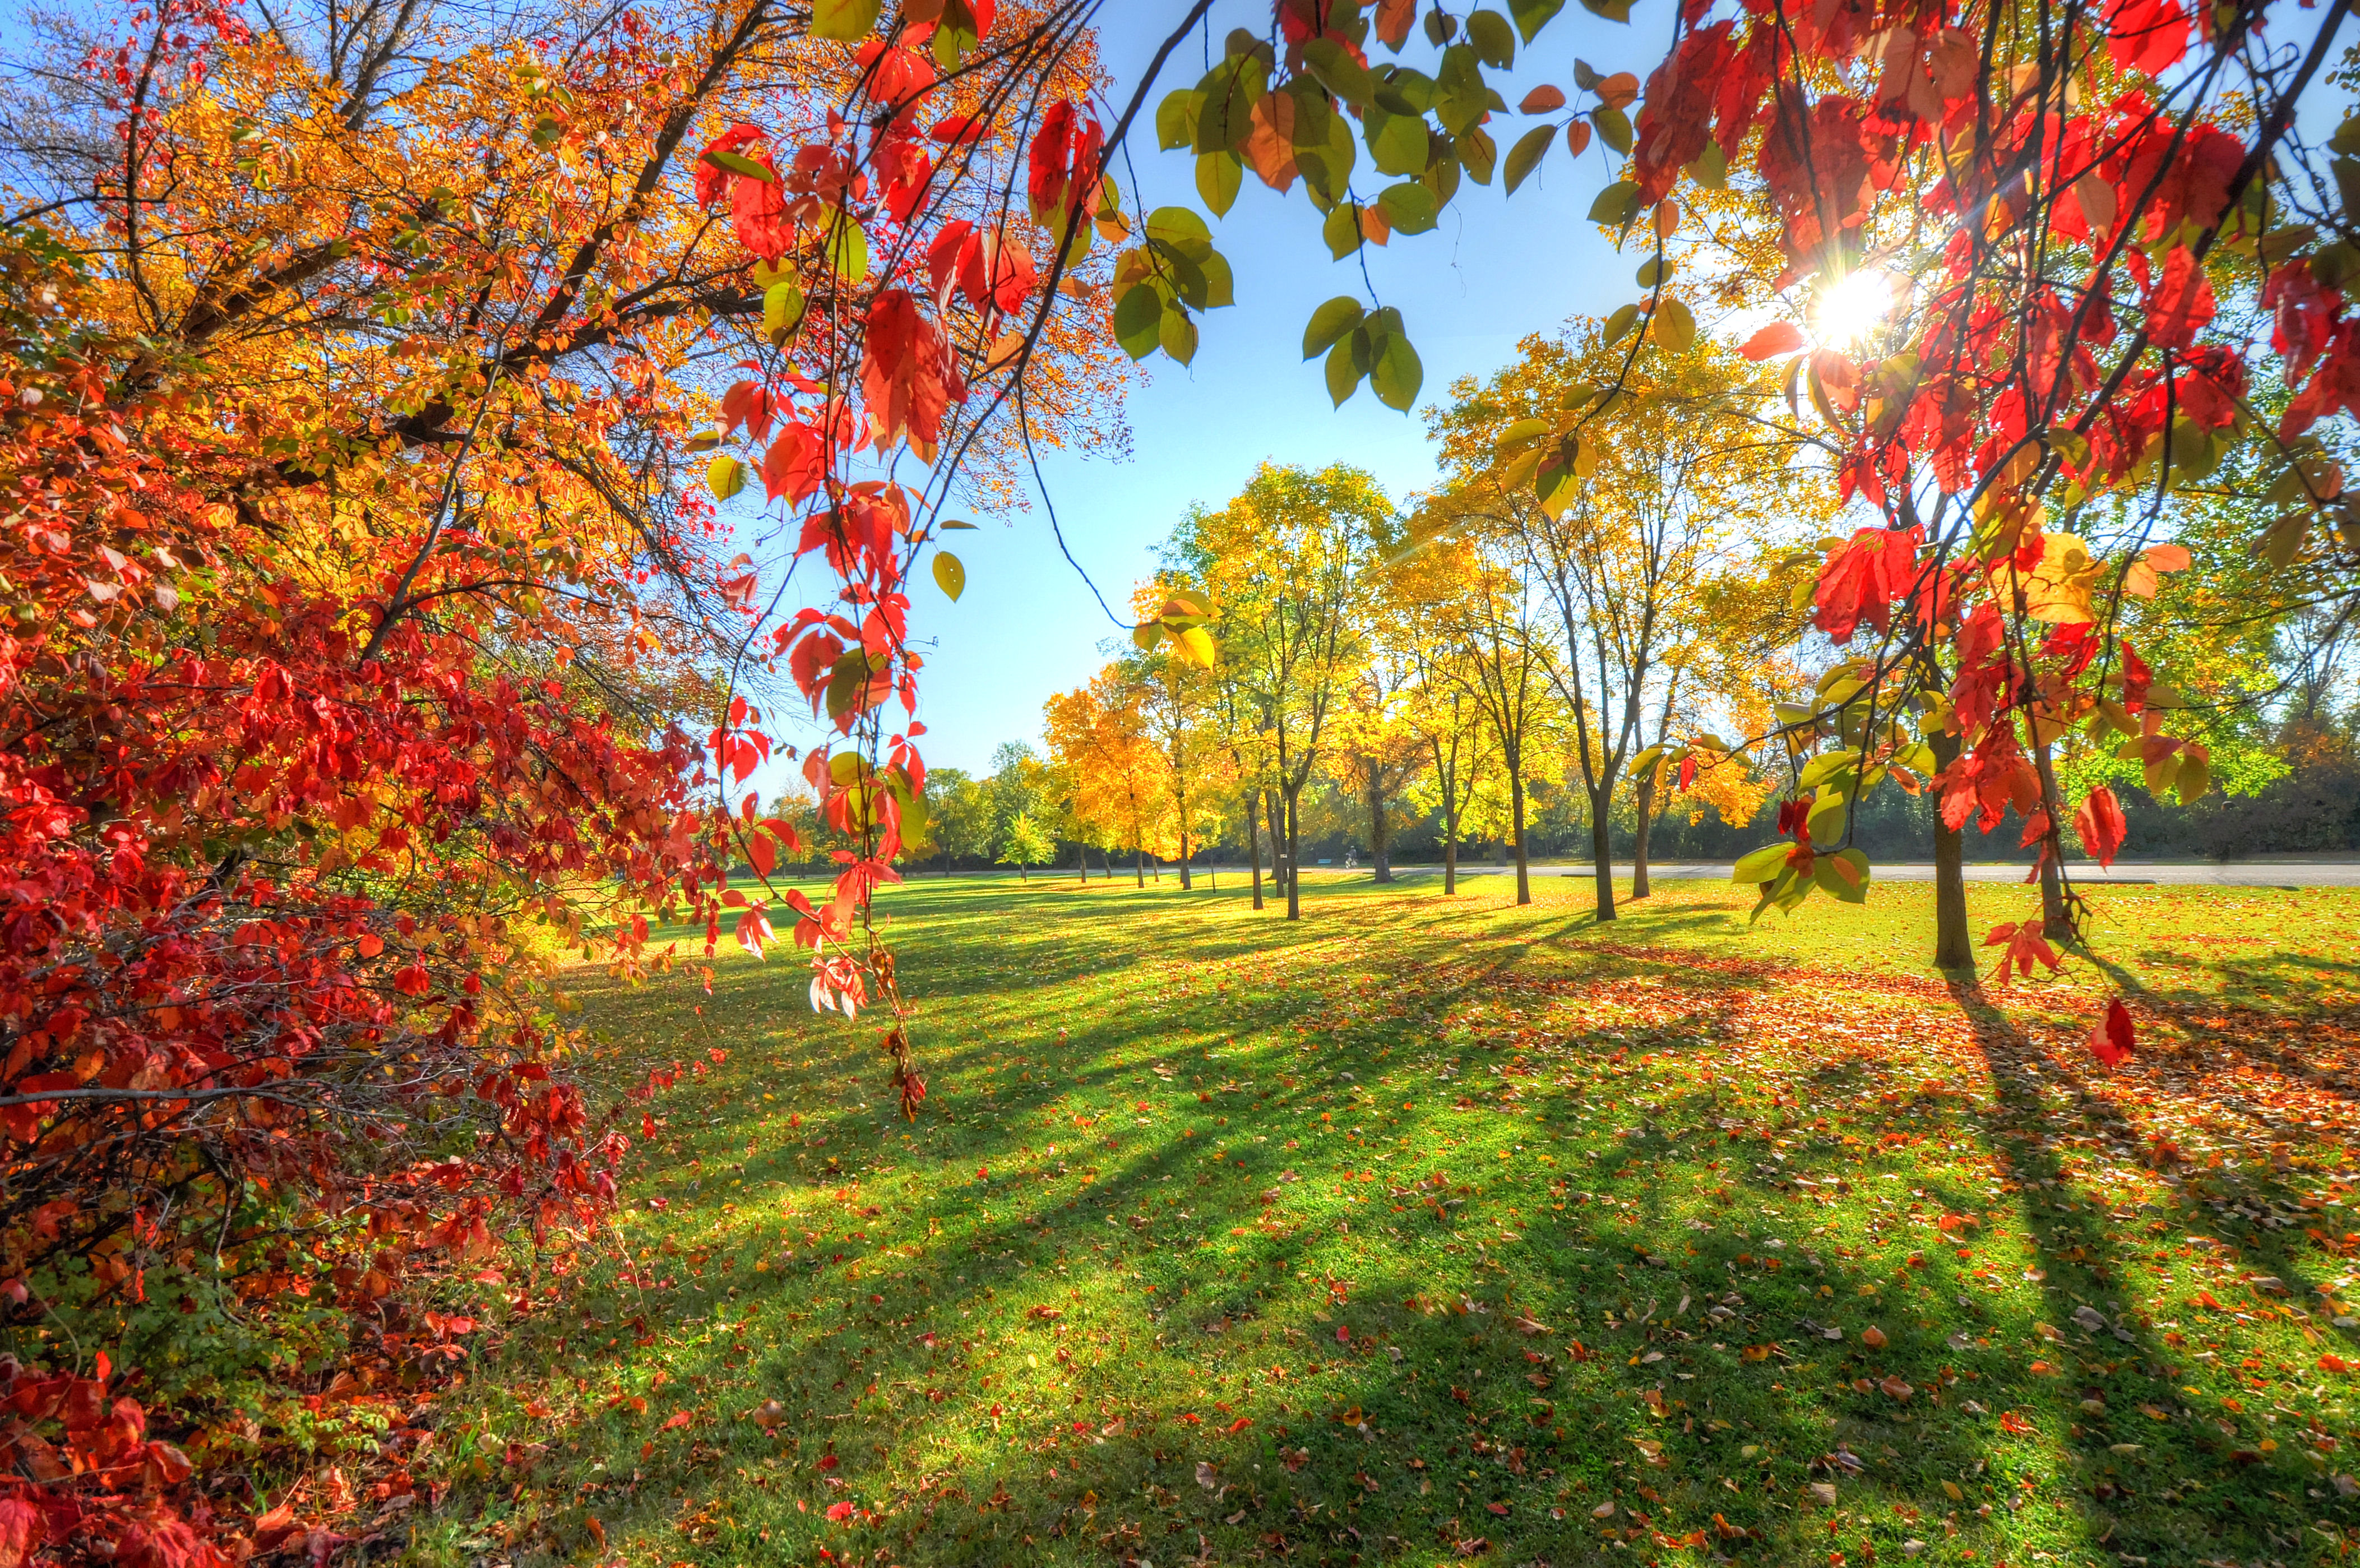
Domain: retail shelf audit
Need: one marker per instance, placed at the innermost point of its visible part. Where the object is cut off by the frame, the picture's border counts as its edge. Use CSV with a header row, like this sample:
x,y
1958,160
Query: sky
x,y
1495,269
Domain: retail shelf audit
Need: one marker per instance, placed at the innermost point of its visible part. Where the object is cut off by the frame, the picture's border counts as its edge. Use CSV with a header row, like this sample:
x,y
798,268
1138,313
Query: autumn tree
x,y
1178,697
1099,736
1443,713
1283,563
1626,526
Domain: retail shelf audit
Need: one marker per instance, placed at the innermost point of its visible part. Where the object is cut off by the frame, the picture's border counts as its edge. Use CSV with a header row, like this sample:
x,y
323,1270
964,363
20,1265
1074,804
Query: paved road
x,y
2197,873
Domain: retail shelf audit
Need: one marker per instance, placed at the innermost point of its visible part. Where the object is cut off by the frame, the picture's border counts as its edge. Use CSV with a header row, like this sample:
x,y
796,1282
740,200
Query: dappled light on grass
x,y
1429,1230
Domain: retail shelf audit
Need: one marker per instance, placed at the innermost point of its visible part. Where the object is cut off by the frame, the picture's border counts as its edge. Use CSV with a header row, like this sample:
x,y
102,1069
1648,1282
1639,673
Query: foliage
x,y
1023,844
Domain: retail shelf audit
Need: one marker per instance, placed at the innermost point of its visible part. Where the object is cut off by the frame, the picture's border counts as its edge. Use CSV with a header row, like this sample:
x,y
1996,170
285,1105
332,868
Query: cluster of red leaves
x,y
2058,349
262,844
79,1475
874,376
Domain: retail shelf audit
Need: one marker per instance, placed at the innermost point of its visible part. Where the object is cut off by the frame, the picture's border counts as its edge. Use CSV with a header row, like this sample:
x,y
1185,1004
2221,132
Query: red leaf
x,y
1778,338
2182,301
906,375
677,1419
1541,100
2100,825
2112,1039
2147,34
2014,1423
839,1511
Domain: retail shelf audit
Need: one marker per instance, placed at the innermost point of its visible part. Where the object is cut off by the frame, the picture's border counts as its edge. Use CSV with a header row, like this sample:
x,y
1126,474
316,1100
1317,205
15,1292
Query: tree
x,y
959,817
1640,507
1377,753
1178,697
1023,844
1445,716
1283,563
1098,736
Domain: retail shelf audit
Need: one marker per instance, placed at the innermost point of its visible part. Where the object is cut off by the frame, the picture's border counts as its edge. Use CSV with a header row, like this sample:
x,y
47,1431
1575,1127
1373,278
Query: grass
x,y
1432,1230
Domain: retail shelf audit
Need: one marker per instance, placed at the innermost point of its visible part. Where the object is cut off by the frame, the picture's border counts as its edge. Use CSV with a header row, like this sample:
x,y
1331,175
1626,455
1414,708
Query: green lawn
x,y
1432,1229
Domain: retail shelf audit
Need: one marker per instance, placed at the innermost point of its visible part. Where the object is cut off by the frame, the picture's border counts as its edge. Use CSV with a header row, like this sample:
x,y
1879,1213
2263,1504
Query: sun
x,y
1851,307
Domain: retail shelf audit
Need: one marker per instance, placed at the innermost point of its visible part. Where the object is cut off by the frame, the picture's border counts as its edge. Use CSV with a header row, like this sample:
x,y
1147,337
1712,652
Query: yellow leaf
x,y
2057,590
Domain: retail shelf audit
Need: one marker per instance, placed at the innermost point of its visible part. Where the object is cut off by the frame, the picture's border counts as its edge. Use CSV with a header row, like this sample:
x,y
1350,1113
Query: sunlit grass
x,y
1397,1235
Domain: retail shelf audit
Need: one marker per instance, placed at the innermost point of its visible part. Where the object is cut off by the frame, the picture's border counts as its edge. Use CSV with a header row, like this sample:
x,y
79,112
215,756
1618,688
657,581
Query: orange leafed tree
x,y
1099,733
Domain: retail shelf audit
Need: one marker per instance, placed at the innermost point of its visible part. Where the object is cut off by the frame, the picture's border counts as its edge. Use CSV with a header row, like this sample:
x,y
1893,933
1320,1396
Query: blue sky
x,y
1495,269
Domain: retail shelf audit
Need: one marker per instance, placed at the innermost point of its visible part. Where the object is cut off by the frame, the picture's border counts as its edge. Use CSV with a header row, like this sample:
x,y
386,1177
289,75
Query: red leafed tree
x,y
2003,241
373,636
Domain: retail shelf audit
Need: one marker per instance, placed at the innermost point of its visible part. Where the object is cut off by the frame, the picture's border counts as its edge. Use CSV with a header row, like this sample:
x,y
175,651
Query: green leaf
x,y
949,575
1338,72
1495,40
1219,175
1329,323
1138,319
1480,153
1654,271
1146,635
1221,287
1618,323
739,163
1176,118
1396,374
1527,155
1843,874
1178,335
849,20
1408,206
1400,91
1225,116
845,681
1613,128
1616,205
726,476
1711,169
847,250
1182,229
1762,865
1342,231
1613,10
1520,432
704,441
782,311
953,522
1398,144
1344,371
1675,327
1830,808
1532,16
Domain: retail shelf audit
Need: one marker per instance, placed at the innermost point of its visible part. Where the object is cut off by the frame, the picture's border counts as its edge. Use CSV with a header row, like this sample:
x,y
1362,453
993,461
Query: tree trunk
x,y
1185,885
1953,947
1293,858
1523,865
1602,857
1646,792
1381,831
1139,870
1280,866
2055,919
1449,845
1253,841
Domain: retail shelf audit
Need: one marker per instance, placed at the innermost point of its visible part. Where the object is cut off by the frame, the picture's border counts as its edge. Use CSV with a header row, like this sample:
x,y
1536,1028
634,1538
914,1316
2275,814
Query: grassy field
x,y
1430,1230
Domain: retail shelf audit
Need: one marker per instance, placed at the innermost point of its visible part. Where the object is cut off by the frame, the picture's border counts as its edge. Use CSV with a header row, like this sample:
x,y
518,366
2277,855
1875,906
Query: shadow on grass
x,y
1415,1251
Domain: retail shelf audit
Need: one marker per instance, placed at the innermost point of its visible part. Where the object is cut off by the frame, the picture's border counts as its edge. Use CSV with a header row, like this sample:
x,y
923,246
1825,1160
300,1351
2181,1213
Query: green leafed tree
x,y
1024,844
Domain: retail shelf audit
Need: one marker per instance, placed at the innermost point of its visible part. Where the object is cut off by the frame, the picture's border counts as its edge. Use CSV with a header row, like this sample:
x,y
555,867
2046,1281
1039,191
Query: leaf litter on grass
x,y
1421,1236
